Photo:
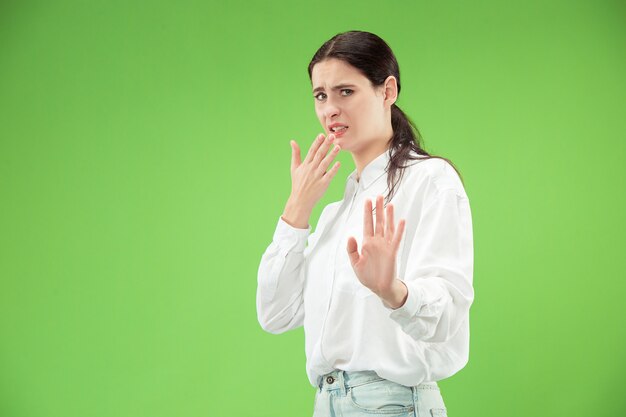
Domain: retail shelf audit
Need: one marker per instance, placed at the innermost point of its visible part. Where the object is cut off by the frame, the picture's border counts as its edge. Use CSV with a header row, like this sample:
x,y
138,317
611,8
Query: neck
x,y
367,155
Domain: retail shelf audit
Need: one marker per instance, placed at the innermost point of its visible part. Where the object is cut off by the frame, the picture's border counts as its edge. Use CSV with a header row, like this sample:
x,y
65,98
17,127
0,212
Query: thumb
x,y
353,252
295,155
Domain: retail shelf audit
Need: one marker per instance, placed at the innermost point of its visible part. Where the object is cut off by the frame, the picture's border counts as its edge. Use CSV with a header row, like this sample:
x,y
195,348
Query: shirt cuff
x,y
410,307
289,237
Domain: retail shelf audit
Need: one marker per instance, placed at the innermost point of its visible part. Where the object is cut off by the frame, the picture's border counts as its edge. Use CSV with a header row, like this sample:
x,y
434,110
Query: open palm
x,y
375,266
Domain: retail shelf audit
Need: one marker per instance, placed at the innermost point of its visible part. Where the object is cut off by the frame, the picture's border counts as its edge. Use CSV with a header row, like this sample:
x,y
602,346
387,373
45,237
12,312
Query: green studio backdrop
x,y
144,162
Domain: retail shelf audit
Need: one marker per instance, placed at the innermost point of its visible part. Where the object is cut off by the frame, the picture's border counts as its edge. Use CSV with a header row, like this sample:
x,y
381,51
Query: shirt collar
x,y
372,171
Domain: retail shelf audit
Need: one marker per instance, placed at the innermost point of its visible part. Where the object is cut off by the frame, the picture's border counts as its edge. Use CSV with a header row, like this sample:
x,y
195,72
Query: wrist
x,y
396,296
296,215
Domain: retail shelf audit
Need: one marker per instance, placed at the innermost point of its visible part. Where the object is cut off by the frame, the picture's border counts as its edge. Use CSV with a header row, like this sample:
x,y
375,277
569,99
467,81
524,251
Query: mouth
x,y
339,130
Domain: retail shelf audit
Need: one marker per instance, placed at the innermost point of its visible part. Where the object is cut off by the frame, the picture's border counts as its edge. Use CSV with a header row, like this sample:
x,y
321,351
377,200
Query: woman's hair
x,y
370,55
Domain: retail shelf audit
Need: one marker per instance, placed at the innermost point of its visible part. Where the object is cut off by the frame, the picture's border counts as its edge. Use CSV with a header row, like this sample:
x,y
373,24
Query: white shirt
x,y
307,279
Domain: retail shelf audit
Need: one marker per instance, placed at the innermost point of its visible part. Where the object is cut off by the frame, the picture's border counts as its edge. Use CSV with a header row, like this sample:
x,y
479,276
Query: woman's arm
x,y
281,280
439,270
281,272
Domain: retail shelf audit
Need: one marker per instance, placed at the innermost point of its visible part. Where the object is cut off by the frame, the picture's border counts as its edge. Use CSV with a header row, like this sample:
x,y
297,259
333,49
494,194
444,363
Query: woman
x,y
385,305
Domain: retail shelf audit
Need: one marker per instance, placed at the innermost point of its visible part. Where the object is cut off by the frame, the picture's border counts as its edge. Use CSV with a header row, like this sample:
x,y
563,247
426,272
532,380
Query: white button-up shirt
x,y
307,279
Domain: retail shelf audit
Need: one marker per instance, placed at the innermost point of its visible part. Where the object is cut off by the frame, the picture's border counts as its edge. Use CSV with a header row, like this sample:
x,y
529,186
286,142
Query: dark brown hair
x,y
371,55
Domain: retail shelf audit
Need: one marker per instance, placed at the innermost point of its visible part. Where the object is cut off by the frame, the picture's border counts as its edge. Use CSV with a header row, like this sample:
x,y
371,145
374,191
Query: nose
x,y
331,109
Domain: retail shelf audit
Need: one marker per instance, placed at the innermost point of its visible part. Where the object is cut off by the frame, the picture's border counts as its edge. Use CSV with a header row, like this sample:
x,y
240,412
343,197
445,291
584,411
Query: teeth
x,y
339,128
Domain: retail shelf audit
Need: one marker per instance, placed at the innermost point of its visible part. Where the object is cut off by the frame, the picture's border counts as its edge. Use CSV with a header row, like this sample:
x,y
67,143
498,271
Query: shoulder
x,y
433,175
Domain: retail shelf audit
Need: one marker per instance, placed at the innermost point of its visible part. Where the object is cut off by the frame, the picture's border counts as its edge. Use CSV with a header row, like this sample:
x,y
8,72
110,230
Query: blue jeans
x,y
364,393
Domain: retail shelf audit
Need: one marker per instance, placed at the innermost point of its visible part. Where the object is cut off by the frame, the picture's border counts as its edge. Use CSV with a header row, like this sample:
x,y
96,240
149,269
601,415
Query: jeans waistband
x,y
339,379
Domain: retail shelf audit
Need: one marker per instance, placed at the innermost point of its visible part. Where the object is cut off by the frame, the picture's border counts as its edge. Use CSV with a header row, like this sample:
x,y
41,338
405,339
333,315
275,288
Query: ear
x,y
390,91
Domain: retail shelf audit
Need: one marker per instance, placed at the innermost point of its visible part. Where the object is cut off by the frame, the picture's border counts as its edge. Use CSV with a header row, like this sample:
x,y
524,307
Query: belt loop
x,y
341,375
415,395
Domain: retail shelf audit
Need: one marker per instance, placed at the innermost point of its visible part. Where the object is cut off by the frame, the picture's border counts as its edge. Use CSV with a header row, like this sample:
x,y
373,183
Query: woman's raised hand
x,y
375,266
309,179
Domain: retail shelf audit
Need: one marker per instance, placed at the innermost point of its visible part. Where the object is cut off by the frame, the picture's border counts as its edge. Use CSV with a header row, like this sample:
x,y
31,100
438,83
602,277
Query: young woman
x,y
384,304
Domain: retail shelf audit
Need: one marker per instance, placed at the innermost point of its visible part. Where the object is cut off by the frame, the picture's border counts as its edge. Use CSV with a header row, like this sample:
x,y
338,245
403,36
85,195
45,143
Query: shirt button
x,y
330,379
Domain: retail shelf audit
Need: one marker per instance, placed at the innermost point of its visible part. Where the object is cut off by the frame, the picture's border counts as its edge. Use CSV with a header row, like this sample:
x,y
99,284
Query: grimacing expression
x,y
347,104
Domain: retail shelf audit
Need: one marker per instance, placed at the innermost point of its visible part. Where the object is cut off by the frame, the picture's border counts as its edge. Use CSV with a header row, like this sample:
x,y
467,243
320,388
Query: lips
x,y
338,129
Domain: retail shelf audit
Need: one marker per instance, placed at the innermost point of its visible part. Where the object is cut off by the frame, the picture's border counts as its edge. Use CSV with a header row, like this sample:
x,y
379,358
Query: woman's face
x,y
345,97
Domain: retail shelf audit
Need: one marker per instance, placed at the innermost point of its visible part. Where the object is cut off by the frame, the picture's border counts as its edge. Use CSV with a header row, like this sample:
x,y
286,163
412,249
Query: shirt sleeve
x,y
439,271
280,280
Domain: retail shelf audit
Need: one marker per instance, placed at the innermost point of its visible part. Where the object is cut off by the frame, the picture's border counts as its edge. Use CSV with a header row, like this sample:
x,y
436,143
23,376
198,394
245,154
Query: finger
x,y
314,147
368,225
331,174
398,236
323,149
295,155
389,231
380,217
353,252
329,158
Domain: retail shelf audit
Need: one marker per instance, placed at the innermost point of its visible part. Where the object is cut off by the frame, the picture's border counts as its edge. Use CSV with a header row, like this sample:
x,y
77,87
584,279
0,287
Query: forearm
x,y
280,279
434,310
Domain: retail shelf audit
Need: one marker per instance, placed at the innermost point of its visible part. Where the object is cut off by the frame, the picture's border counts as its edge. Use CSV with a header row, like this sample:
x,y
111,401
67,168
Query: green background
x,y
144,162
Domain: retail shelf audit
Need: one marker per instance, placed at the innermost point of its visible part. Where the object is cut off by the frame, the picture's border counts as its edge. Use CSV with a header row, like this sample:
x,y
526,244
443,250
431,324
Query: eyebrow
x,y
337,87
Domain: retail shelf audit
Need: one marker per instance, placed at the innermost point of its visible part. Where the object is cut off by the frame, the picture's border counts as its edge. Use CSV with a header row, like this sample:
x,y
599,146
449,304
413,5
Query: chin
x,y
341,142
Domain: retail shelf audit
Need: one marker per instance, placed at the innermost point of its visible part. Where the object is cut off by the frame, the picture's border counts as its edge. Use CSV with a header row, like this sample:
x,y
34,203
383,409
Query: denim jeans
x,y
364,393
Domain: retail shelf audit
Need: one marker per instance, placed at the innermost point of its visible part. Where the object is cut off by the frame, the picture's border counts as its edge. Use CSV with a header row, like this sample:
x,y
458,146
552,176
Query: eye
x,y
348,90
317,96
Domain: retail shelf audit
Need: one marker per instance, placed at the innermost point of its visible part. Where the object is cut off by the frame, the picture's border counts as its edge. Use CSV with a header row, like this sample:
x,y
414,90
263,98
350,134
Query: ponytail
x,y
405,142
